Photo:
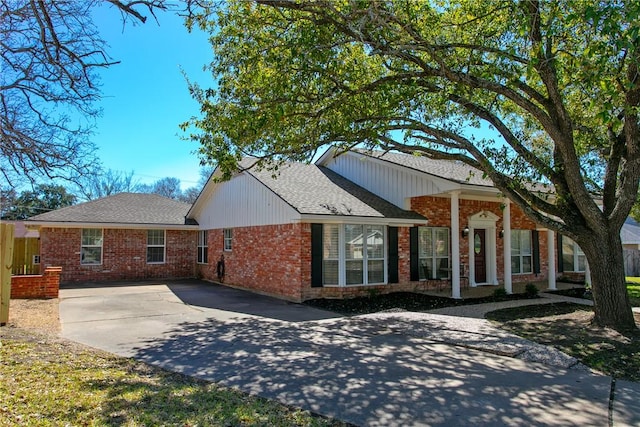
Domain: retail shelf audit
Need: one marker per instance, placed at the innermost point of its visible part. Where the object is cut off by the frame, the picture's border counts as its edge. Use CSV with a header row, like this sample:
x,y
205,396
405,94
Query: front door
x,y
480,262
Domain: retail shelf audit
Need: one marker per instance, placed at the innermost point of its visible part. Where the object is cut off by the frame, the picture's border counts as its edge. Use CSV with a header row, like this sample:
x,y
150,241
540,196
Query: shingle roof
x,y
316,190
448,169
630,233
122,208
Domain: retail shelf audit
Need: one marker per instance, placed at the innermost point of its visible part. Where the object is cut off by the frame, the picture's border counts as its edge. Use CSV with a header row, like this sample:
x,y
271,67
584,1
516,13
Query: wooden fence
x,y
632,262
26,256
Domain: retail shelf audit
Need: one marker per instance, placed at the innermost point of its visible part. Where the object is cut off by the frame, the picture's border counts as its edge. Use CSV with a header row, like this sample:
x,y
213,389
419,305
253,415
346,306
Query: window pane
x,y
155,237
228,239
443,268
582,263
525,245
354,272
515,264
442,242
353,239
330,272
330,242
155,254
91,237
515,242
91,255
526,264
425,245
375,242
375,271
425,269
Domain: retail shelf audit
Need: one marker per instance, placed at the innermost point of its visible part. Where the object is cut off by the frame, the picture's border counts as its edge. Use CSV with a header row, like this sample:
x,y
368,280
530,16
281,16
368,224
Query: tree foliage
x,y
51,51
528,92
44,198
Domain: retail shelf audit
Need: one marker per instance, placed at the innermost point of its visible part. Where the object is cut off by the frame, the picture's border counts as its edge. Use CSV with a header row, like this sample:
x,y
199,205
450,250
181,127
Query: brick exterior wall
x,y
123,255
271,260
438,211
45,285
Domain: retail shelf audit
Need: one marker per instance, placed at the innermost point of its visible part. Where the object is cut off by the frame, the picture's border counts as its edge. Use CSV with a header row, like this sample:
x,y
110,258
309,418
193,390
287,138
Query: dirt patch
x,y
34,314
569,328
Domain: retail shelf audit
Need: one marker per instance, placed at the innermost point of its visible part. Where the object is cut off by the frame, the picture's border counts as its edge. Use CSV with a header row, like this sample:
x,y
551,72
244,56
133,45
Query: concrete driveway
x,y
385,369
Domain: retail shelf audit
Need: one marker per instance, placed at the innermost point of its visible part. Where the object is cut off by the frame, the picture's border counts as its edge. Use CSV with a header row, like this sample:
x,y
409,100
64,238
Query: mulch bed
x,y
409,301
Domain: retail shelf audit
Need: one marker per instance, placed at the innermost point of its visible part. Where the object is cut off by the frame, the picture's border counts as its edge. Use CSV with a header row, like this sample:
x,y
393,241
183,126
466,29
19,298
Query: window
x,y
521,252
91,247
155,246
331,255
433,249
573,259
228,239
355,249
203,248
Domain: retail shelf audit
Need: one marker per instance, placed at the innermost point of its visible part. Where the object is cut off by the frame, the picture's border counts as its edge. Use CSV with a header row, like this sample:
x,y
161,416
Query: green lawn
x,y
633,288
54,383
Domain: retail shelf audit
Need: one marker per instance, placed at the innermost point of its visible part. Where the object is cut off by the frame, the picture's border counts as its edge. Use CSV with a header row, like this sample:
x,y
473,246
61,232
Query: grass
x,y
568,328
633,288
52,382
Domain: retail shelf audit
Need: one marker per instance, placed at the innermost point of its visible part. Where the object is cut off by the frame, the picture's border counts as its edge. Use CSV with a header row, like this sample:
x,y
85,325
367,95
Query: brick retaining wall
x,y
45,285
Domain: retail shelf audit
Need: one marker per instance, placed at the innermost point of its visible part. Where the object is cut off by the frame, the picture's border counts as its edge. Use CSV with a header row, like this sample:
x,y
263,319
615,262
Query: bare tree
x,y
106,183
50,52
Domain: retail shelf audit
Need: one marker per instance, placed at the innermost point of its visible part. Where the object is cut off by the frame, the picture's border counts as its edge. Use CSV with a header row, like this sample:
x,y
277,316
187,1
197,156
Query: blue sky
x,y
145,97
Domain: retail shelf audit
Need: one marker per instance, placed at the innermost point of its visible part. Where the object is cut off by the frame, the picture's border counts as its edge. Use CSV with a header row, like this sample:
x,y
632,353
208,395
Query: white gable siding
x,y
388,181
244,201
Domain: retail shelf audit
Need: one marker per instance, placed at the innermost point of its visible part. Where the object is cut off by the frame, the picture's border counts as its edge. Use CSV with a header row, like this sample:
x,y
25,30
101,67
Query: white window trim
x,y
342,258
227,241
521,255
163,246
92,246
201,245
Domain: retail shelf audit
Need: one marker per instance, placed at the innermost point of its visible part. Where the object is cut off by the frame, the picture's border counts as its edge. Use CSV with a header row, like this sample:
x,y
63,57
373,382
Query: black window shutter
x,y
535,240
413,254
393,254
316,255
560,260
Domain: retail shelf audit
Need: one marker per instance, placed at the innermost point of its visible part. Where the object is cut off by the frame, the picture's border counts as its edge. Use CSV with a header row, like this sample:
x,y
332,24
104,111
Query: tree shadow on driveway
x,y
211,295
366,374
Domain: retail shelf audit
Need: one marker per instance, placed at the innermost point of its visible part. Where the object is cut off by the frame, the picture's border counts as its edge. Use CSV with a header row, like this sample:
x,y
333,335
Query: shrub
x,y
531,290
500,293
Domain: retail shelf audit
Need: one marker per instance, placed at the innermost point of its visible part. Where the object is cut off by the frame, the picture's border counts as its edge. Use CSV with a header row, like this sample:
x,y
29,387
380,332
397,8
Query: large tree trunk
x,y
606,263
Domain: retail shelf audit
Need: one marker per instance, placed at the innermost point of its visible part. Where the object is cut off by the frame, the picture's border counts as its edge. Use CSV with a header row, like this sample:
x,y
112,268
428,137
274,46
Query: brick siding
x,y
438,211
45,285
272,260
124,255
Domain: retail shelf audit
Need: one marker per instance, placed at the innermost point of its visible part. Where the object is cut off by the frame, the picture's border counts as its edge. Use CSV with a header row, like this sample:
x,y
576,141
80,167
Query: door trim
x,y
486,220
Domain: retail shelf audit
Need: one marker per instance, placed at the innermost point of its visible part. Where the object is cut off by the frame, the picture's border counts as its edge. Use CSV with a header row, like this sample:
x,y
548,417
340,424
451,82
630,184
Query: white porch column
x,y
551,259
506,245
455,245
587,275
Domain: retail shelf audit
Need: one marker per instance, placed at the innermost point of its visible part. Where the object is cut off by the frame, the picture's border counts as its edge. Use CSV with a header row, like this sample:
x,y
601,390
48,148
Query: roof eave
x,y
354,219
112,225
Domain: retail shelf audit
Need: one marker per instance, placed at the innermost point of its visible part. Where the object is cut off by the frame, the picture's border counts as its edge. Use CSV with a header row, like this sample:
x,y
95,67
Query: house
x,y
368,222
122,237
343,226
630,236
